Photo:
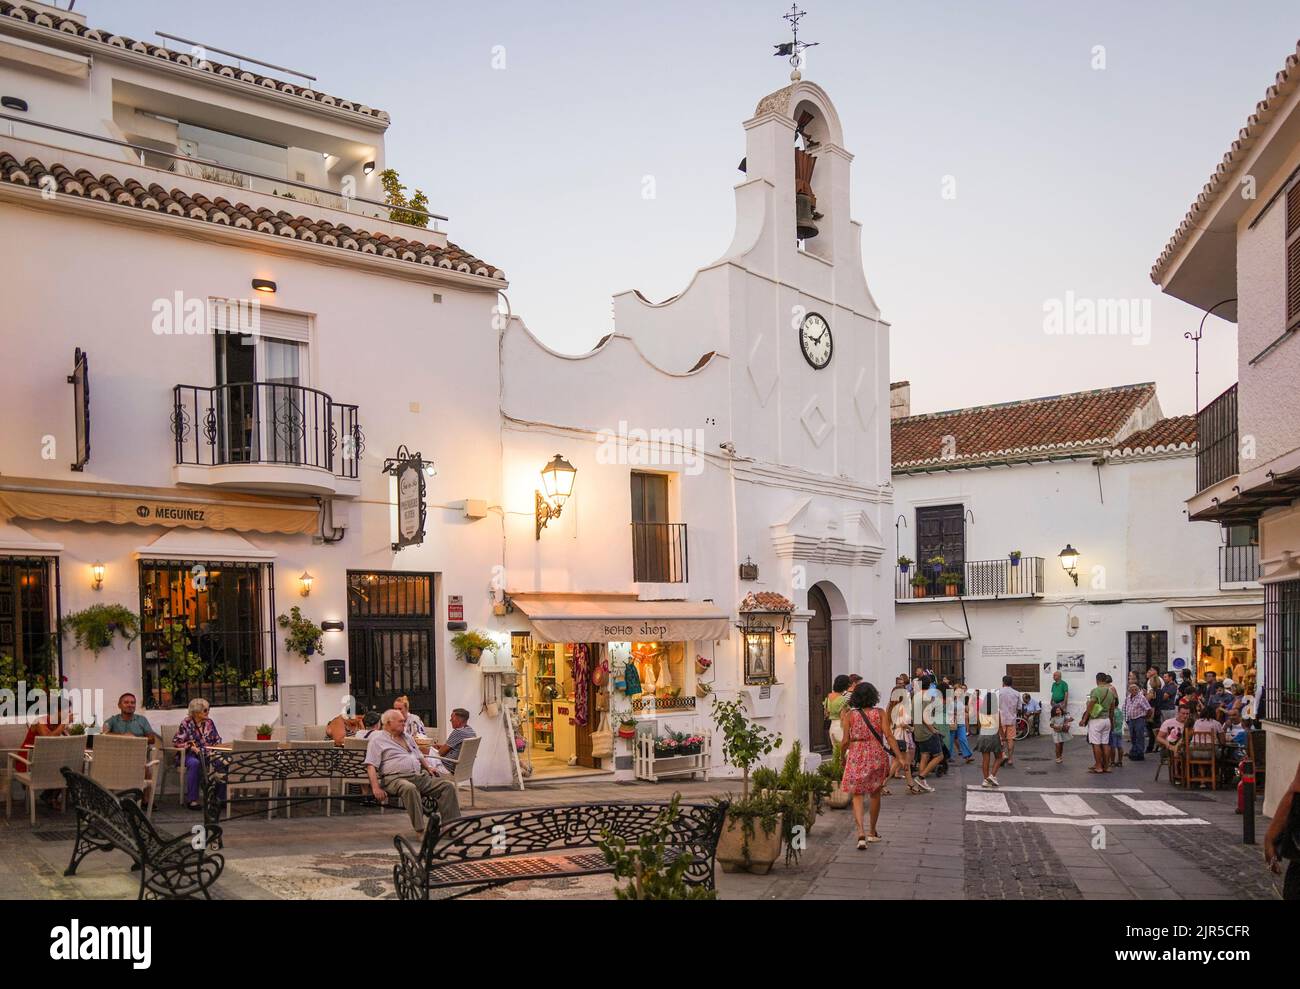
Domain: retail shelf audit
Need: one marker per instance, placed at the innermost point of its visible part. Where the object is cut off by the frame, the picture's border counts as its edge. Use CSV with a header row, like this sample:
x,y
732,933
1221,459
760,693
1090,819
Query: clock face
x,y
815,340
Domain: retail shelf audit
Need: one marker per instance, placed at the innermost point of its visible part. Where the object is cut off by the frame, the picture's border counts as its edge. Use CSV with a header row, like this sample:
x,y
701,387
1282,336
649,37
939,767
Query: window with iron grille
x,y
946,657
1281,699
1147,648
30,646
207,630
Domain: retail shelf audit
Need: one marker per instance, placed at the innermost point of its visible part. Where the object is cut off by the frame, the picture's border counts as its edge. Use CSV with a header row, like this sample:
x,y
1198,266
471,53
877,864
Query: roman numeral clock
x,y
815,341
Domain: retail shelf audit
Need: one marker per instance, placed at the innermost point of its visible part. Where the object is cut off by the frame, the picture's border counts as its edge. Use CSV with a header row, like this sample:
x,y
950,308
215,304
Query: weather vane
x,y
794,49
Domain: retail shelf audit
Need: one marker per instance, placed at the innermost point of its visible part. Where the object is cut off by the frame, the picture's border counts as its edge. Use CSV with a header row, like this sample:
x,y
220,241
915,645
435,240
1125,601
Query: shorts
x,y
1116,739
931,746
1099,731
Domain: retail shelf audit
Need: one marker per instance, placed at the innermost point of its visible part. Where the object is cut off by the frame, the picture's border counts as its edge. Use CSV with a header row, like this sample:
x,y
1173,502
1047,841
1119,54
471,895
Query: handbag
x,y
602,740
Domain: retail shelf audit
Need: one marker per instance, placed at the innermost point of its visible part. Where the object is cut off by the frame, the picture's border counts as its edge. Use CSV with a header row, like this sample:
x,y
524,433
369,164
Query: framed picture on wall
x,y
1069,662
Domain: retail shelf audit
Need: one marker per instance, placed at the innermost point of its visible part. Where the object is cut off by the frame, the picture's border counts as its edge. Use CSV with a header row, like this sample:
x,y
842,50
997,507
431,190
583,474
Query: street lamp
x,y
557,481
1069,562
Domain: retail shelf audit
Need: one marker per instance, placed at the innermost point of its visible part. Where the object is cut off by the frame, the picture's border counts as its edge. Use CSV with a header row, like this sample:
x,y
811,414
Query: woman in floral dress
x,y
868,749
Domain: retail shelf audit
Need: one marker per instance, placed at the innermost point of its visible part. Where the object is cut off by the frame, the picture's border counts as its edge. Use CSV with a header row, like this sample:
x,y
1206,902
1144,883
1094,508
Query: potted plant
x,y
95,627
919,586
903,563
183,664
304,636
77,729
626,726
258,684
1014,556
263,733
833,771
744,744
11,671
470,645
702,665
951,580
666,747
703,688
936,564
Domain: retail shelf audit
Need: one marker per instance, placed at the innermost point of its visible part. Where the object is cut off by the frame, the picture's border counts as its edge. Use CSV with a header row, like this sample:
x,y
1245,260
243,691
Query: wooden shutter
x,y
1293,210
1292,280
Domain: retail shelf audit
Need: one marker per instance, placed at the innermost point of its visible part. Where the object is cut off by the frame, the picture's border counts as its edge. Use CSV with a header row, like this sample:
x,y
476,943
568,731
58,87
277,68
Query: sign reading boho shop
x,y
409,469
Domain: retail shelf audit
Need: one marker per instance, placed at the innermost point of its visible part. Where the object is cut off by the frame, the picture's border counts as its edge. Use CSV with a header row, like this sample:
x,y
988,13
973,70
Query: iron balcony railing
x,y
1238,565
659,553
1216,440
975,579
265,423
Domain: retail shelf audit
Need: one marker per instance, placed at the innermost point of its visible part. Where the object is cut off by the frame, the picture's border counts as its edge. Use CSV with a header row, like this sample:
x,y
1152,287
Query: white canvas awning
x,y
1221,614
621,618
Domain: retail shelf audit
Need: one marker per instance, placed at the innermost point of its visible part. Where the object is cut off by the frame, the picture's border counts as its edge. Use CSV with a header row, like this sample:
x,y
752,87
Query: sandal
x,y
862,842
886,791
873,838
913,788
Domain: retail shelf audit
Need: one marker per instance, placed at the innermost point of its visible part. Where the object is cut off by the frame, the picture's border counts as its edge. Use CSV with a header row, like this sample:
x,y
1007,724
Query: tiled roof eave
x,y
1284,86
247,238
78,39
1160,451
1049,451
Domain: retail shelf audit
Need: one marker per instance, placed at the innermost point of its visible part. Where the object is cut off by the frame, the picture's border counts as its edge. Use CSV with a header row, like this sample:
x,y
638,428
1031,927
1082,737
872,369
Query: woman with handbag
x,y
1283,840
868,748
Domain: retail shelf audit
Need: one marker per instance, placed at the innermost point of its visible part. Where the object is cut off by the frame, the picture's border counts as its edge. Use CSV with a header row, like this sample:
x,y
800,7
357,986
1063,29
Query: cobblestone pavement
x,y
930,849
1051,833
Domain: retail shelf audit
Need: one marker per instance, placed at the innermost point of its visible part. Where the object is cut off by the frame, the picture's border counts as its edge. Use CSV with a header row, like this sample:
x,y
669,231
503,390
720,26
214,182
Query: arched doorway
x,y
820,666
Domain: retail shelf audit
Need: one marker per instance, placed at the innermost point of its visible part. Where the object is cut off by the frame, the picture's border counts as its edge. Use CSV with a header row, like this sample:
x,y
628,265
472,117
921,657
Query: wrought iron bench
x,y
473,854
275,767
171,867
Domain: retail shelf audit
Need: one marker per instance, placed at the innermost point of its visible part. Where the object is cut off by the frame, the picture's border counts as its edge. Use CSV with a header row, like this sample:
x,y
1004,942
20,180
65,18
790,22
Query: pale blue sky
x,y
1068,179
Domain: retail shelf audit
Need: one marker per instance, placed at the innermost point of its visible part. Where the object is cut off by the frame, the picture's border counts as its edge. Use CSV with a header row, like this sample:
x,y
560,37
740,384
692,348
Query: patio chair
x,y
363,781
1202,759
310,733
309,782
121,762
463,767
11,740
233,784
47,757
172,763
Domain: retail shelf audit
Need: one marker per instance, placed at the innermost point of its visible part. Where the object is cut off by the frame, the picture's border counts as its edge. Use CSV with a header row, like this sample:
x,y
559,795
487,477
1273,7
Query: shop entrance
x,y
820,665
559,707
1228,651
391,641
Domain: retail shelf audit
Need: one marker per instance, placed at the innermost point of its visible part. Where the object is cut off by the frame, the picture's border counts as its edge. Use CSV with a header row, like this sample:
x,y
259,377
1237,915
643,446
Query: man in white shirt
x,y
1008,709
396,768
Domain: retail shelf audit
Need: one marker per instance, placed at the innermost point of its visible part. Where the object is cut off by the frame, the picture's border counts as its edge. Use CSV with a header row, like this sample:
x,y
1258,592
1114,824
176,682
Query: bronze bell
x,y
805,216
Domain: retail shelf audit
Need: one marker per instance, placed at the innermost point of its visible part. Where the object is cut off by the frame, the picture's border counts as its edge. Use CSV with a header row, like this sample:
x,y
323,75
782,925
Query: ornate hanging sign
x,y
409,469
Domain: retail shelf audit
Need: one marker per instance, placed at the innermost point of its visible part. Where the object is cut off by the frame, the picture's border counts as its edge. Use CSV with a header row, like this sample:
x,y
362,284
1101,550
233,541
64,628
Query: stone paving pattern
x,y
929,850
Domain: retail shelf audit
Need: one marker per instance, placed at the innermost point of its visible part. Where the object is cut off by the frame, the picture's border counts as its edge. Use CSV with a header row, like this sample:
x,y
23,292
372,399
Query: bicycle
x,y
1022,727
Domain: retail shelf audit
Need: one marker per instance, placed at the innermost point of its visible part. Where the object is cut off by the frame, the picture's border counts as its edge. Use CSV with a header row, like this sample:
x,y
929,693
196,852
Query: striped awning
x,y
117,504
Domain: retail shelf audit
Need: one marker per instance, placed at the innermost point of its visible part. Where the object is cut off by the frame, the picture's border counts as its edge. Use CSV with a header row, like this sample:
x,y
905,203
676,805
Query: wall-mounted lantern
x,y
97,575
368,167
557,482
1070,562
264,285
304,582
788,637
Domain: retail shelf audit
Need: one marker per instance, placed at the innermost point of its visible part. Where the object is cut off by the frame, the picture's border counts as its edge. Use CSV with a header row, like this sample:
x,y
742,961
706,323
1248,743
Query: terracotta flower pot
x,y
764,847
918,592
950,590
263,738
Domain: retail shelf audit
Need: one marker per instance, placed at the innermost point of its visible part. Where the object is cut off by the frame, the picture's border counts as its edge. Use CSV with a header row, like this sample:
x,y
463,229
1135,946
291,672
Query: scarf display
x,y
581,669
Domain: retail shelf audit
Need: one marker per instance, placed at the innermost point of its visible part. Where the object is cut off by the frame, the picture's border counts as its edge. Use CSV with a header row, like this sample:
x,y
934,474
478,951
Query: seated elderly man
x,y
450,749
396,768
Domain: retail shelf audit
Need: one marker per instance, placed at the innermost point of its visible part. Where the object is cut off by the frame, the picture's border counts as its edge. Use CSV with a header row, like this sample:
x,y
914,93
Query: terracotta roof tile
x,y
109,189
1036,427
1283,85
766,601
68,25
1174,433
